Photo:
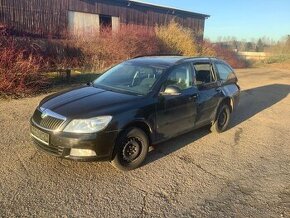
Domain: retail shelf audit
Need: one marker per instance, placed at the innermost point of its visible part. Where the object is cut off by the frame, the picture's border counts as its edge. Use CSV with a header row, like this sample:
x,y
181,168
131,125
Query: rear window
x,y
225,72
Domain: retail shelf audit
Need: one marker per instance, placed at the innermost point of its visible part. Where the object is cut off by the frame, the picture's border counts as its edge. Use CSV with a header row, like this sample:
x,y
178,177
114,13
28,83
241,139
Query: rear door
x,y
209,91
228,81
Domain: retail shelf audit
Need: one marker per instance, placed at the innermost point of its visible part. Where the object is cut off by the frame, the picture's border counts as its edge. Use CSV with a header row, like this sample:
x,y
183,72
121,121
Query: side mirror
x,y
171,90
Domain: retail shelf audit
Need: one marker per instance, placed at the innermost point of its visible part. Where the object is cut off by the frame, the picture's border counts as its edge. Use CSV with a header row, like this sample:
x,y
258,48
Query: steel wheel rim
x,y
132,149
222,119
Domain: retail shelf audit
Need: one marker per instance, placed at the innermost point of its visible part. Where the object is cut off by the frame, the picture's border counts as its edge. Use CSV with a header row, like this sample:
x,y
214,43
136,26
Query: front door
x,y
176,113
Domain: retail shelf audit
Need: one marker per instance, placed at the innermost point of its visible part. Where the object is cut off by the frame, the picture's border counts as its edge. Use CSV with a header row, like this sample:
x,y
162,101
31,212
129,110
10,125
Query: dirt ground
x,y
244,172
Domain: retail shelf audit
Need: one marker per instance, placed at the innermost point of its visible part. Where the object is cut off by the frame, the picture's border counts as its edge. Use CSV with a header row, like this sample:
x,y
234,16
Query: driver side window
x,y
181,77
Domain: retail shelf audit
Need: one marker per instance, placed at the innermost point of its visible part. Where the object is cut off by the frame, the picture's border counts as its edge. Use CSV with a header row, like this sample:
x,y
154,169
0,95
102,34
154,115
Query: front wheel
x,y
131,151
223,118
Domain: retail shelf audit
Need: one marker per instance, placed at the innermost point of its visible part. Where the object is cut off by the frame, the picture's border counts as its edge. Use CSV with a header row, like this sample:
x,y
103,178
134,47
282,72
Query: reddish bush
x,y
19,71
206,48
110,48
59,54
23,59
216,50
137,41
230,56
55,54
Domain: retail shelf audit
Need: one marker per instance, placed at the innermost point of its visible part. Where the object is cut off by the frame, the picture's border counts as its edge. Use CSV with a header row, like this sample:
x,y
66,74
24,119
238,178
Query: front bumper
x,y
60,144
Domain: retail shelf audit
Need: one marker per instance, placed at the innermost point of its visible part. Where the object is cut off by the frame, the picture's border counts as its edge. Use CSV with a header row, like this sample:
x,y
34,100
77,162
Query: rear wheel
x,y
131,151
223,118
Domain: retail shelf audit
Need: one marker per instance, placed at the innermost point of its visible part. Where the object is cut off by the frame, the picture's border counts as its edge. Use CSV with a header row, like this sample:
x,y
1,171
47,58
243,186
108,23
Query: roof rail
x,y
209,57
196,57
152,55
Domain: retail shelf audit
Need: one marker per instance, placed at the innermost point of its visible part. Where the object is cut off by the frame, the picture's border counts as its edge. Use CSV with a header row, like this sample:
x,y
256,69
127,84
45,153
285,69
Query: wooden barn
x,y
53,17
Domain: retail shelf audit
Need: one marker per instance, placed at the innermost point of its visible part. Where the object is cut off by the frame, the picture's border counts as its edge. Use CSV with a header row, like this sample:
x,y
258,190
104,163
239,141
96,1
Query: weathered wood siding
x,y
50,17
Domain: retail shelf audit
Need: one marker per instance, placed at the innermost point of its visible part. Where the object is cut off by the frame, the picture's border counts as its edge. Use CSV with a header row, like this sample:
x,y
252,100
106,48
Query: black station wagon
x,y
138,103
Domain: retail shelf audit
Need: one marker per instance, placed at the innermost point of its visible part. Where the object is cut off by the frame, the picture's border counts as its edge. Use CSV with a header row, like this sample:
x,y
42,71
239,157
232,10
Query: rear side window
x,y
204,73
225,72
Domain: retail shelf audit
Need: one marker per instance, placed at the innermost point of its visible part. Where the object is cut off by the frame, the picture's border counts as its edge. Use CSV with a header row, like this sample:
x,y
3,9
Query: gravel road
x,y
244,172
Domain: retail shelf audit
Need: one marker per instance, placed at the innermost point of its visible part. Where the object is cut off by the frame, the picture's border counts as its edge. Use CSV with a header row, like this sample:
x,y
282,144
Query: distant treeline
x,y
260,45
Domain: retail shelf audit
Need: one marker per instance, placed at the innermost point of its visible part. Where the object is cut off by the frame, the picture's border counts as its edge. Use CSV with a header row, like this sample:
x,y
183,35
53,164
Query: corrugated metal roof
x,y
142,3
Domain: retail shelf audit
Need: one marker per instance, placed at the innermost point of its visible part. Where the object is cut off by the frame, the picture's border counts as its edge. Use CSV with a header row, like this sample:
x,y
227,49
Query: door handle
x,y
193,97
219,90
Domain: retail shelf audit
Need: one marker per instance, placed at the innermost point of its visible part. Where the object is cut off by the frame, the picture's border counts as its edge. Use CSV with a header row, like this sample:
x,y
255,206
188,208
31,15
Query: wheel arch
x,y
227,100
143,125
138,123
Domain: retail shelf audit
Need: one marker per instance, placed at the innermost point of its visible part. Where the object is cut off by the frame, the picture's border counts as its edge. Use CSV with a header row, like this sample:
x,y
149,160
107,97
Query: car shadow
x,y
252,102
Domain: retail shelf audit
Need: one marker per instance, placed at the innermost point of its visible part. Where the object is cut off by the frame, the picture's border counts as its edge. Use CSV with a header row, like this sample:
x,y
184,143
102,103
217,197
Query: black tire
x,y
131,149
223,119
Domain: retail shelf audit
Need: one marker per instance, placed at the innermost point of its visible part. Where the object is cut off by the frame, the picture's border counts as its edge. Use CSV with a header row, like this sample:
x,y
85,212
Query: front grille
x,y
57,151
47,122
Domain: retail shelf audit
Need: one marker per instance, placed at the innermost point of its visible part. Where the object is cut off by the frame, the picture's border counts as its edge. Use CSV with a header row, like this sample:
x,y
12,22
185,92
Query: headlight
x,y
91,125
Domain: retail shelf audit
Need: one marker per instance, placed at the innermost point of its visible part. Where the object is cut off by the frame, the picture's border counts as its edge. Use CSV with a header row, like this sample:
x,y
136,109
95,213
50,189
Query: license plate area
x,y
39,135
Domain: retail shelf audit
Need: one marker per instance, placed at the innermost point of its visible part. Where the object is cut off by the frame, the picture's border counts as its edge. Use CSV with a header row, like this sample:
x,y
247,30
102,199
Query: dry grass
x,y
280,65
280,53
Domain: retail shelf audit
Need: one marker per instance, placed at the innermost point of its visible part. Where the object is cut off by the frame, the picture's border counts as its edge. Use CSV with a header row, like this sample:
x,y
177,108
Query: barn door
x,y
115,24
83,23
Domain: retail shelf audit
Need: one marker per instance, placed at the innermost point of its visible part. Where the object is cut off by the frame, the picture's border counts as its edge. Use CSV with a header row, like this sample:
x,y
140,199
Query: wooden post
x,y
68,75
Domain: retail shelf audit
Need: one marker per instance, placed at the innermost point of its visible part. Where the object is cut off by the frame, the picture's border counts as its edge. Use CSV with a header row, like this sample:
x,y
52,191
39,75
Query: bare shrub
x,y
19,71
60,54
24,59
175,39
207,49
230,56
109,48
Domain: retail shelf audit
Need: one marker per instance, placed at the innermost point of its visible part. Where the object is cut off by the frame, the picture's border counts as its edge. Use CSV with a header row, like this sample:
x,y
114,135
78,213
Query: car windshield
x,y
130,77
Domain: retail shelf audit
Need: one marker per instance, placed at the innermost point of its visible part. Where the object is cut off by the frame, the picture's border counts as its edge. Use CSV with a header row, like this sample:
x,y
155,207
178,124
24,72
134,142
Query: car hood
x,y
86,102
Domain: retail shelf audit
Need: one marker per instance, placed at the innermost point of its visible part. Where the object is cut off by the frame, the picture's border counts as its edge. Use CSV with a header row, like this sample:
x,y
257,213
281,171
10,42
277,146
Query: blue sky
x,y
243,19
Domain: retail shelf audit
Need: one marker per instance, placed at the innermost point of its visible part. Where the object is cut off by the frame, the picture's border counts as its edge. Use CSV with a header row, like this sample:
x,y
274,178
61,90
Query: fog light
x,y
82,152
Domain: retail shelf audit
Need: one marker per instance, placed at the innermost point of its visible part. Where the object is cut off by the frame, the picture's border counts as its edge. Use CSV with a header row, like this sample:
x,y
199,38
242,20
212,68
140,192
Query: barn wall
x,y
35,16
50,17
